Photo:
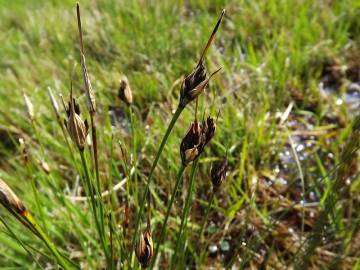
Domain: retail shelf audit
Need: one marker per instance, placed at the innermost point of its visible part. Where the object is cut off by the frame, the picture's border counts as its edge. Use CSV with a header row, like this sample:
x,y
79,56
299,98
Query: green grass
x,y
272,54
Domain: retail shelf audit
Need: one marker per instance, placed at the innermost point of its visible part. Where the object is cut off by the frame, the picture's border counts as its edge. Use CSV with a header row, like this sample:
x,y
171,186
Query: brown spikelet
x,y
218,173
77,128
195,83
145,248
91,104
195,140
125,93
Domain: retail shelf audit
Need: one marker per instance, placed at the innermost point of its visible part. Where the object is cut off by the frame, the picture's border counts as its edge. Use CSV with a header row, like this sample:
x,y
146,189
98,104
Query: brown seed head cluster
x,y
77,128
9,200
145,248
125,93
218,173
194,83
195,140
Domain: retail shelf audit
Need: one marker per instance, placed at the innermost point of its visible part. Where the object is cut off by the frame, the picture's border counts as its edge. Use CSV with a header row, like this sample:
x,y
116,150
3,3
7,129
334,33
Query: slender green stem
x,y
163,227
134,154
93,202
186,210
206,215
61,124
14,236
144,196
33,182
96,159
205,221
47,241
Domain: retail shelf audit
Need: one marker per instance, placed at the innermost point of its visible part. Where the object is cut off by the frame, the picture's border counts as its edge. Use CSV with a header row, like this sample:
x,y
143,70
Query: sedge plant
x,y
192,86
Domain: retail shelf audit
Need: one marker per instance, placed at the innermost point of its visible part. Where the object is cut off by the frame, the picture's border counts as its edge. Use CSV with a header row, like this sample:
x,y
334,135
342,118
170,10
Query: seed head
x,y
218,173
9,200
195,140
191,144
209,127
125,93
194,83
77,128
91,104
145,248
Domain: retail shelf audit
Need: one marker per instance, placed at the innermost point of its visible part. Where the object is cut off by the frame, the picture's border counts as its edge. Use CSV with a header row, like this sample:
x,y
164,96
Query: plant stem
x,y
134,154
205,221
95,150
186,210
206,215
163,227
92,200
47,241
144,196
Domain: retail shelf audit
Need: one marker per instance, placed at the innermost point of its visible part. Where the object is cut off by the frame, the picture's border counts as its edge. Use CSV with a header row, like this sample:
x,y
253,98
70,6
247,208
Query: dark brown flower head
x,y
194,83
145,249
125,93
195,140
191,144
209,127
218,173
77,128
9,200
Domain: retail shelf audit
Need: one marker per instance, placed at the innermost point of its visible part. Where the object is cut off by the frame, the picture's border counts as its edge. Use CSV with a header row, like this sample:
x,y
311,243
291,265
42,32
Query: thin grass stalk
x,y
144,196
163,227
202,229
206,215
111,242
186,211
47,241
13,235
134,157
93,202
98,187
33,183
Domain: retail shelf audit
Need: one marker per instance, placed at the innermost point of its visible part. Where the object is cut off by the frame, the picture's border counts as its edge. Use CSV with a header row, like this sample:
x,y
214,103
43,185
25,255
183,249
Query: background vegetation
x,y
287,93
